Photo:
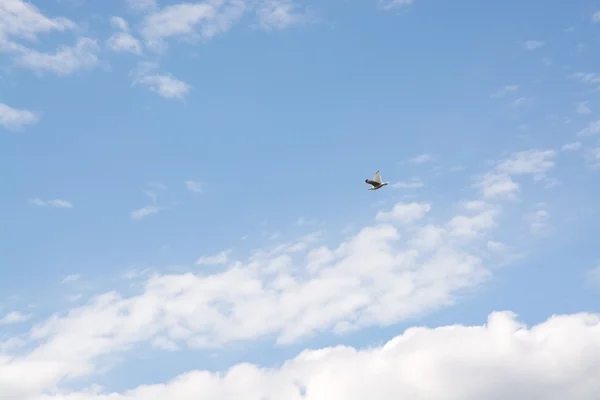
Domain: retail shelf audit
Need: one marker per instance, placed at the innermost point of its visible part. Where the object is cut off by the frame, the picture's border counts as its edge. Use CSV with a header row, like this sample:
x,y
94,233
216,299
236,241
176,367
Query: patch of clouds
x,y
56,203
165,85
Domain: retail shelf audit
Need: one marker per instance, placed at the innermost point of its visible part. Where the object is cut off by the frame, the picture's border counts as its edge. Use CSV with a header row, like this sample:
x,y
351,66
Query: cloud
x,y
414,183
394,4
505,90
596,17
12,118
593,275
421,159
123,41
218,259
66,60
70,278
13,317
538,221
384,274
191,21
142,5
592,129
499,183
404,212
501,359
573,146
164,84
587,78
144,212
494,185
530,45
582,108
57,203
23,20
592,157
280,14
193,186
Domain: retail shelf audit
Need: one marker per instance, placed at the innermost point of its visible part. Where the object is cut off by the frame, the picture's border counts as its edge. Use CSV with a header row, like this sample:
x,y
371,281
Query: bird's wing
x,y
377,177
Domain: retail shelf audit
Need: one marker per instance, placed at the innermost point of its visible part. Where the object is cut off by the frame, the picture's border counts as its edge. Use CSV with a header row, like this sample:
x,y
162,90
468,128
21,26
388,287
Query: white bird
x,y
376,182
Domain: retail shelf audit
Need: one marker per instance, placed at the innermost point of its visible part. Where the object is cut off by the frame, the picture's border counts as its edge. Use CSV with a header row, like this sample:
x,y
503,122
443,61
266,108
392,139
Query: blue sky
x,y
184,192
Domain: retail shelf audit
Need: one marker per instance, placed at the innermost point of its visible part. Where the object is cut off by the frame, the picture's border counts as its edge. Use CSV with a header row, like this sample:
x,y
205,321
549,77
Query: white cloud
x,y
421,159
164,84
64,61
13,118
538,221
501,359
499,182
596,17
592,157
471,226
572,146
119,23
13,317
592,129
588,78
493,185
142,5
394,4
382,275
57,203
145,212
414,183
404,212
191,21
532,44
593,275
582,108
70,278
505,90
23,20
193,186
529,162
280,14
123,42
221,258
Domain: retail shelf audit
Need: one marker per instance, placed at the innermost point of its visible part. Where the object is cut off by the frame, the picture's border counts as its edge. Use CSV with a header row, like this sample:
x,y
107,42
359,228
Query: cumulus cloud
x,y
421,159
502,359
193,186
218,259
404,212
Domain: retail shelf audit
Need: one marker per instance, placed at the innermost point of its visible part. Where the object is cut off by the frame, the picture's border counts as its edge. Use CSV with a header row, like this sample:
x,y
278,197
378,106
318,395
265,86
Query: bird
x,y
376,181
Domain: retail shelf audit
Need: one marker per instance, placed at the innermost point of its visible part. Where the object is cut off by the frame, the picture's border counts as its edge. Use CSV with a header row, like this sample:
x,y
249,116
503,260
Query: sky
x,y
184,213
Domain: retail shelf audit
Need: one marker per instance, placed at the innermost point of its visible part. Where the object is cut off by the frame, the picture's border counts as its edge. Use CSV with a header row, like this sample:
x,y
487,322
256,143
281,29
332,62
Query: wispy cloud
x,y
572,146
504,91
532,44
13,118
280,14
414,183
421,159
144,212
221,258
14,317
582,108
163,84
57,203
123,41
193,186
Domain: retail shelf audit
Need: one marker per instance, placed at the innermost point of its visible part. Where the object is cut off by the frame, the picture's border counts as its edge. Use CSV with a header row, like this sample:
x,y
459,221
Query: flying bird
x,y
376,182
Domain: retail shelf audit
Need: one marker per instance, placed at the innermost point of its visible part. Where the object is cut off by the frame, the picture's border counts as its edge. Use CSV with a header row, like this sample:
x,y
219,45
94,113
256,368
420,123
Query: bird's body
x,y
376,182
